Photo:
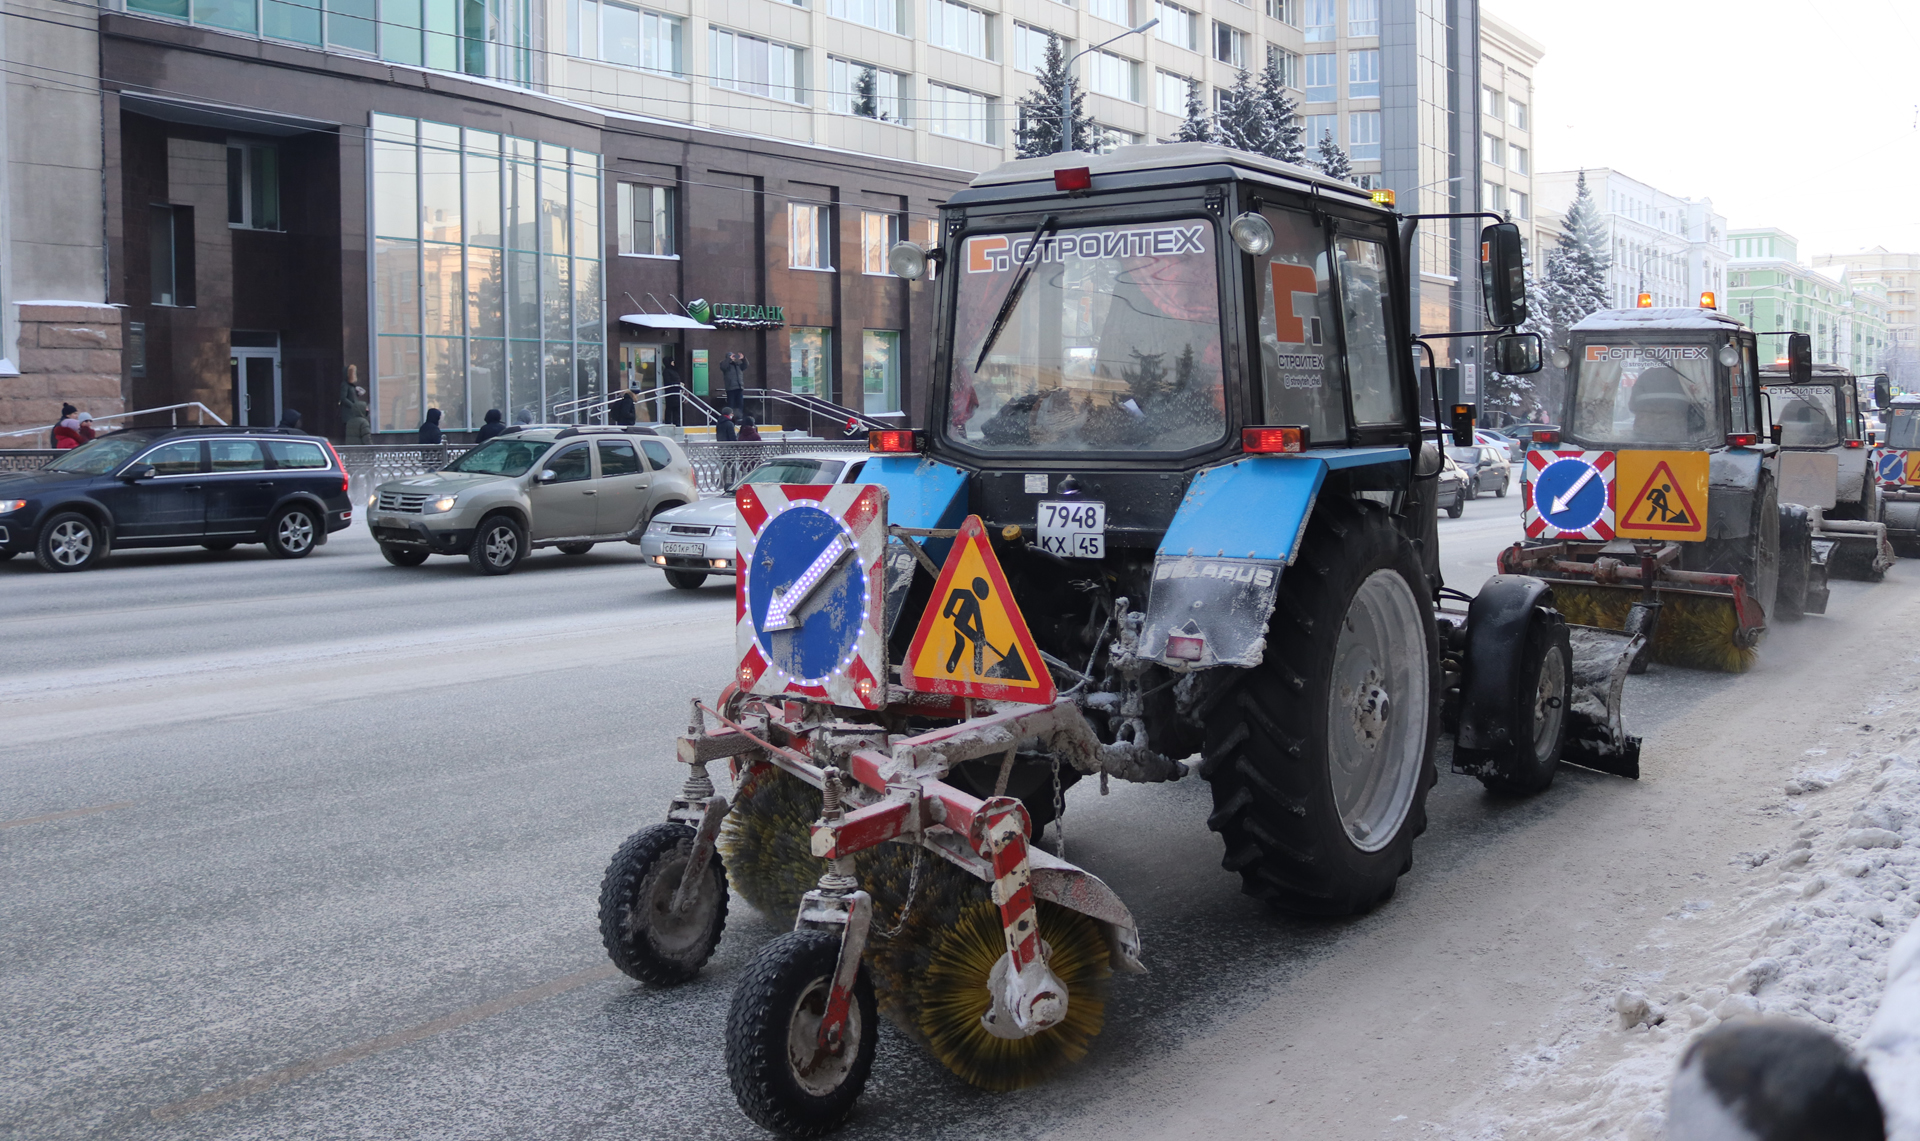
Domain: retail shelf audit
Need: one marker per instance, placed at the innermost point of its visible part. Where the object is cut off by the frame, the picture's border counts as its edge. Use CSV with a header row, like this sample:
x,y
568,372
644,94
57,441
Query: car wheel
x,y
292,533
498,545
402,556
573,548
685,580
69,542
220,545
1500,489
1458,507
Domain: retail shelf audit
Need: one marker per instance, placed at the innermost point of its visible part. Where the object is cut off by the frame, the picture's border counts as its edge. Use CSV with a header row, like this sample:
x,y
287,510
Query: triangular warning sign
x,y
972,641
1661,505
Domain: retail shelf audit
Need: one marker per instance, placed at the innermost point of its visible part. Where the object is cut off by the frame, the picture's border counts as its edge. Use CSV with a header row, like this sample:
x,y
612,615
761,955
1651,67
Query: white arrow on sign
x,y
784,602
1561,500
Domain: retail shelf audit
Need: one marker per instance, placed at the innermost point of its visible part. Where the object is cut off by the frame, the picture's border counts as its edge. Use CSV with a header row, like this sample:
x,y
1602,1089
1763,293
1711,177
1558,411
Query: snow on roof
x,y
1157,156
1610,319
71,304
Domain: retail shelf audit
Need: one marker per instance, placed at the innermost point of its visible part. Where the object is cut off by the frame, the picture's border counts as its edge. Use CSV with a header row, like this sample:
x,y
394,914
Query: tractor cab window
x,y
1367,300
1903,427
1740,390
1808,414
1091,339
1645,394
1300,373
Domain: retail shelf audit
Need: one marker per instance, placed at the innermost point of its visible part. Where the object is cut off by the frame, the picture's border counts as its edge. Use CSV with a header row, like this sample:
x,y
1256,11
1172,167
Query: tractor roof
x,y
1778,372
1654,320
1186,162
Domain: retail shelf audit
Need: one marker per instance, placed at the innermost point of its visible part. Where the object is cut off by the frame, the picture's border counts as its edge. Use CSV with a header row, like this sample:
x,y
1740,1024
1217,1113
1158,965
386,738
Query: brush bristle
x,y
1695,631
930,978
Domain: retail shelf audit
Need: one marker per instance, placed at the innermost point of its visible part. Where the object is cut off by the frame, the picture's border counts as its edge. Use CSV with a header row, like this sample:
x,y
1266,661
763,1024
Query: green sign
x,y
699,377
728,315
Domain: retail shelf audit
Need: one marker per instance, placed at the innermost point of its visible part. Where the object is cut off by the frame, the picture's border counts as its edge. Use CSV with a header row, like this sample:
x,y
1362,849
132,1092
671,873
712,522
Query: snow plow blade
x,y
1596,734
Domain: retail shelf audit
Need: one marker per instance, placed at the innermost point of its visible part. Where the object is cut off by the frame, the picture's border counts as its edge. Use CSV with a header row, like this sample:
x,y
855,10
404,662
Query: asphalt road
x,y
311,849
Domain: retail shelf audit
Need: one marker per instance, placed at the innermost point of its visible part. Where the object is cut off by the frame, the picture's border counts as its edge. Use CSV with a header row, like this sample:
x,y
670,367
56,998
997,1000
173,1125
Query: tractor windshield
x,y
1111,343
1651,394
1807,414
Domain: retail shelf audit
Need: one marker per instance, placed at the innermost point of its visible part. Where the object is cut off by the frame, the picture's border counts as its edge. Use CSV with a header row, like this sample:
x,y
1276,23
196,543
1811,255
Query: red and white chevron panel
x,y
1537,525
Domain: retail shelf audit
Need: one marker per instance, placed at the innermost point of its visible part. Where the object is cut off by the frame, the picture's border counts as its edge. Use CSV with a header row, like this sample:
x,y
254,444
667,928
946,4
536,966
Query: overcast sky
x,y
1801,115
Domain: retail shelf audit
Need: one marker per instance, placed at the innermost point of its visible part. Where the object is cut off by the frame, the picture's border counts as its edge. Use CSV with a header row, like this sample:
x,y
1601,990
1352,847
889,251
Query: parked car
x,y
1452,495
209,487
538,487
1514,447
689,543
1486,468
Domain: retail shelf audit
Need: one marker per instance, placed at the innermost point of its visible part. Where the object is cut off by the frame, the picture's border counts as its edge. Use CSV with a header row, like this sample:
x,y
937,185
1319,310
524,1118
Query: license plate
x,y
683,548
1073,528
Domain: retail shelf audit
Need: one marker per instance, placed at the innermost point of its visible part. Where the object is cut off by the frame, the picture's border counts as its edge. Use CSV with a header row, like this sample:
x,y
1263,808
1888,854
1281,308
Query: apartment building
x,y
1899,275
1772,291
1661,244
1507,60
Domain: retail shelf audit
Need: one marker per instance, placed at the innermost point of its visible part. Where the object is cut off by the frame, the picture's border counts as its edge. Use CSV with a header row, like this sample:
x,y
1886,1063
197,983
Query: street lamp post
x,y
1066,84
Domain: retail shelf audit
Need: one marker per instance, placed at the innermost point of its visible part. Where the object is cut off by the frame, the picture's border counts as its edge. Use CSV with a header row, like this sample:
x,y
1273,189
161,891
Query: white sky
x,y
1799,115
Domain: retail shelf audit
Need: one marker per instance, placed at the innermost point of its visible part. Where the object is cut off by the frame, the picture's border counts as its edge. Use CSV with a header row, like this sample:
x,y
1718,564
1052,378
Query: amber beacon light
x,y
1646,301
1708,300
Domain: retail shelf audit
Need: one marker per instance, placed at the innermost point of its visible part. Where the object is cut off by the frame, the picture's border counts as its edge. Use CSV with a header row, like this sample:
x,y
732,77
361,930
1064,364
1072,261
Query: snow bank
x,y
1892,1042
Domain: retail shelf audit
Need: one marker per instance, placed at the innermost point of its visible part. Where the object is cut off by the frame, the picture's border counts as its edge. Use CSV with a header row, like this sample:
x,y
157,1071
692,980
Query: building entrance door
x,y
256,385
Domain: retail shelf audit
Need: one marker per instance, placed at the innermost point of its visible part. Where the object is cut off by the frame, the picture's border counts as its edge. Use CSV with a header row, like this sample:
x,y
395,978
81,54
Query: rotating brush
x,y
1696,631
930,976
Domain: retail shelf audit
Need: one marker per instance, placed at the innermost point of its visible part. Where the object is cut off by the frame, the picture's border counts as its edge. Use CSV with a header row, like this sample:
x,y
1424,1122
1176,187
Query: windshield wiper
x,y
1020,274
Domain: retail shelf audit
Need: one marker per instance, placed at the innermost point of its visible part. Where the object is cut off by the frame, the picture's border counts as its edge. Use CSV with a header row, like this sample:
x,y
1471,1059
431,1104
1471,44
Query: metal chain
x,y
1059,810
913,889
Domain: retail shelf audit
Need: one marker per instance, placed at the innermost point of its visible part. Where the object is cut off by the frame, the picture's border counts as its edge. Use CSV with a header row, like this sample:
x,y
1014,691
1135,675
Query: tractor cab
x,y
1825,466
1665,379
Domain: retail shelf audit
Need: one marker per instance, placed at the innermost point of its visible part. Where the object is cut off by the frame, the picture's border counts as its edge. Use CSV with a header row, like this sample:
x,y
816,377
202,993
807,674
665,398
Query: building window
x,y
1489,102
844,95
879,233
960,114
882,14
645,219
1491,197
1321,77
1363,74
1493,150
1170,92
1517,159
631,37
809,236
1363,17
1113,11
1113,76
1030,48
1319,24
811,364
253,186
1111,137
879,371
1518,203
1321,127
754,66
1177,26
1229,44
487,279
1517,113
1363,135
1285,11
957,27
1286,63
170,254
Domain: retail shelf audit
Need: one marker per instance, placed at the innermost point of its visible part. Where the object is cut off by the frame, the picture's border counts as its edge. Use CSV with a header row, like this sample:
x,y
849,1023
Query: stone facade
x,y
69,353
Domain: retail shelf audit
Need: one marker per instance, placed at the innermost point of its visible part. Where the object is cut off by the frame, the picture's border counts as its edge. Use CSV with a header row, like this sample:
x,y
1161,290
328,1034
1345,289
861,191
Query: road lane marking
x,y
68,814
261,1083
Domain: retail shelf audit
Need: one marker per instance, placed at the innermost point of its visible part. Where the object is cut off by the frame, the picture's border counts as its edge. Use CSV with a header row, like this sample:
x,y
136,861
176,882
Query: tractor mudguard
x,y
1496,635
1733,479
1217,571
923,494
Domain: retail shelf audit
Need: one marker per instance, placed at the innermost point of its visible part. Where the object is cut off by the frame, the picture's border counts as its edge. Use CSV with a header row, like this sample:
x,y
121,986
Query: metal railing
x,y
679,404
26,459
201,414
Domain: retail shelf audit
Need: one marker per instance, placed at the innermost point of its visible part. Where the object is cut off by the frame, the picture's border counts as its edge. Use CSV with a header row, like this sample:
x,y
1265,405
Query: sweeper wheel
x,y
1542,694
780,1075
643,936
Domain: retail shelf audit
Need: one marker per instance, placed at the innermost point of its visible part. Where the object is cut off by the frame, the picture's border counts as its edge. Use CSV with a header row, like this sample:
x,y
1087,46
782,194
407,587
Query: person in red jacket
x,y
66,433
84,424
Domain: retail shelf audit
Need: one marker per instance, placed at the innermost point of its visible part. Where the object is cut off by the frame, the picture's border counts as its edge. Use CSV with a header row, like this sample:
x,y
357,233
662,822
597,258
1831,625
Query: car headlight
x,y
722,533
9,506
436,506
657,528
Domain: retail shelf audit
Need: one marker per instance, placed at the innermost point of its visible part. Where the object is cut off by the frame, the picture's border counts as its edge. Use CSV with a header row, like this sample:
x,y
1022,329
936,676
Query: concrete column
x,y
69,353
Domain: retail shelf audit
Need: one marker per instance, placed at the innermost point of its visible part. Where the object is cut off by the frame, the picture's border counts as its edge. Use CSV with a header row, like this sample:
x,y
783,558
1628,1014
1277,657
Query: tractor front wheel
x,y
643,934
1542,692
781,1075
1321,757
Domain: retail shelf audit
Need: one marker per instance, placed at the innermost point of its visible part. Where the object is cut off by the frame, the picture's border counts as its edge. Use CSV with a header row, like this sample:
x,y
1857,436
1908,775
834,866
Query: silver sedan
x,y
689,543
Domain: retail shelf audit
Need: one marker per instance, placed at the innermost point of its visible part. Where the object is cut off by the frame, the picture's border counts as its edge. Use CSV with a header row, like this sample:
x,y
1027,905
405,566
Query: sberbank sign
x,y
725,315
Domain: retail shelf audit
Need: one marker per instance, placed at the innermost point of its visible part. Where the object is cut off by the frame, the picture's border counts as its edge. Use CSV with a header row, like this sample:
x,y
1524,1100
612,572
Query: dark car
x,y
209,487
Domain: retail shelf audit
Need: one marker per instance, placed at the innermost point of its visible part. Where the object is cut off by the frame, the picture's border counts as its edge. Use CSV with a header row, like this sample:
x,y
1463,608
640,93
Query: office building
x,y
1660,244
1507,61
1772,291
1899,275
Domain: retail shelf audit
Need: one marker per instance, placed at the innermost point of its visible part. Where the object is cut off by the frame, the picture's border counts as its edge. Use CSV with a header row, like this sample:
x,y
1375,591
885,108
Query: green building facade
x,y
1771,291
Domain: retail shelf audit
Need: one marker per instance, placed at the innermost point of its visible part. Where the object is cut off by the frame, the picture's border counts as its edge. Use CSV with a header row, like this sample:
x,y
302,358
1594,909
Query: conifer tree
x,y
866,101
1333,160
1037,129
1570,287
1283,121
1197,127
1243,121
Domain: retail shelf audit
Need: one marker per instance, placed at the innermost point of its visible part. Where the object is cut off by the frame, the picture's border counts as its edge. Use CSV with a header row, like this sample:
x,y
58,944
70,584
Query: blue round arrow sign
x,y
806,593
1570,494
1893,465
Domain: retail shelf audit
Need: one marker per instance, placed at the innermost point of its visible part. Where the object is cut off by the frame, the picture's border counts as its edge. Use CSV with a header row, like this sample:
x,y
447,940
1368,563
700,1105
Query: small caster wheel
x,y
782,1078
643,936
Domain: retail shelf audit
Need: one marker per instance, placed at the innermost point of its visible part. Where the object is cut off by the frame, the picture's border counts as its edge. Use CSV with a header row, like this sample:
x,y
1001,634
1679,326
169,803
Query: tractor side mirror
x,y
1503,275
1882,391
1462,425
1518,354
1799,359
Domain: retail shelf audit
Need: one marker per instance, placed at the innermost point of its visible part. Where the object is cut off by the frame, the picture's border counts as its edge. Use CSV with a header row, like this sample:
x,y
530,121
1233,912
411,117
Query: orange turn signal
x,y
1270,441
899,441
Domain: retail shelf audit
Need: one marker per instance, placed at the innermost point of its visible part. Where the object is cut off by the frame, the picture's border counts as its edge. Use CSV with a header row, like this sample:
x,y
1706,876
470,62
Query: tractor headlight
x,y
437,506
1252,233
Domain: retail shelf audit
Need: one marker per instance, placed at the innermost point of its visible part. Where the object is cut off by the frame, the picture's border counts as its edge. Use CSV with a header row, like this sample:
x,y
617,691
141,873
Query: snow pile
x,y
1811,935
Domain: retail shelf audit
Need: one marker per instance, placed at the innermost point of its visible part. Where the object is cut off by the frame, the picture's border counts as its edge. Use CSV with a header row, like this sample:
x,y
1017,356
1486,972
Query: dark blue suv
x,y
209,487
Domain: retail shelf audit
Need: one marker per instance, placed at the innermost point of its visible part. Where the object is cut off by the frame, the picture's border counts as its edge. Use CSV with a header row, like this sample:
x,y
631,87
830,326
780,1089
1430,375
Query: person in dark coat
x,y
733,375
430,428
723,430
749,432
493,427
620,410
290,419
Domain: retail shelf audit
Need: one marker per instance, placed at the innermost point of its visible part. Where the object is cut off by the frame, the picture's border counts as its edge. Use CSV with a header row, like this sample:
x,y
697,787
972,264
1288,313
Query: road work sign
x,y
1665,494
1913,467
972,641
1568,495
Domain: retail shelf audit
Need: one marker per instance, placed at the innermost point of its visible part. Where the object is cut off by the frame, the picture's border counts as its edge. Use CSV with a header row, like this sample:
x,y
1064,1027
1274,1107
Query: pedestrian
x,y
493,427
670,375
620,409
66,431
85,420
359,425
430,428
67,411
290,420
733,375
749,434
723,429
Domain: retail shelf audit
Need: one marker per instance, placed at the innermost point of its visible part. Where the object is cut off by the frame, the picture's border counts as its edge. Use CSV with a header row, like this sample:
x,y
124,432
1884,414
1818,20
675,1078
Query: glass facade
x,y
811,366
880,370
486,277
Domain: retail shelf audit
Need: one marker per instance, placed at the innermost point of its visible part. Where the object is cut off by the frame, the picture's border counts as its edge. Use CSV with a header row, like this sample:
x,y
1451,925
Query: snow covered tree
x,y
1333,160
1571,286
1284,129
866,101
1197,127
1244,121
1585,258
1037,130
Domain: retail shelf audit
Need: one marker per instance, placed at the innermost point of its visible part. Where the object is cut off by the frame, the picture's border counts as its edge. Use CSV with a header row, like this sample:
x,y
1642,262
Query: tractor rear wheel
x,y
1321,757
781,1076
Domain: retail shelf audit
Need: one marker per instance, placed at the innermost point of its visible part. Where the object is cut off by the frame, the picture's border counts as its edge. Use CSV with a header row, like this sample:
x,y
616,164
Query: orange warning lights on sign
x,y
973,641
1666,494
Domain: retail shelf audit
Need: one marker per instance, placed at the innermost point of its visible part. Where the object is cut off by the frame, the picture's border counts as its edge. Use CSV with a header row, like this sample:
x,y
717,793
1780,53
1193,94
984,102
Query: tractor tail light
x,y
1271,441
1856,443
1073,178
896,441
1546,437
1742,439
